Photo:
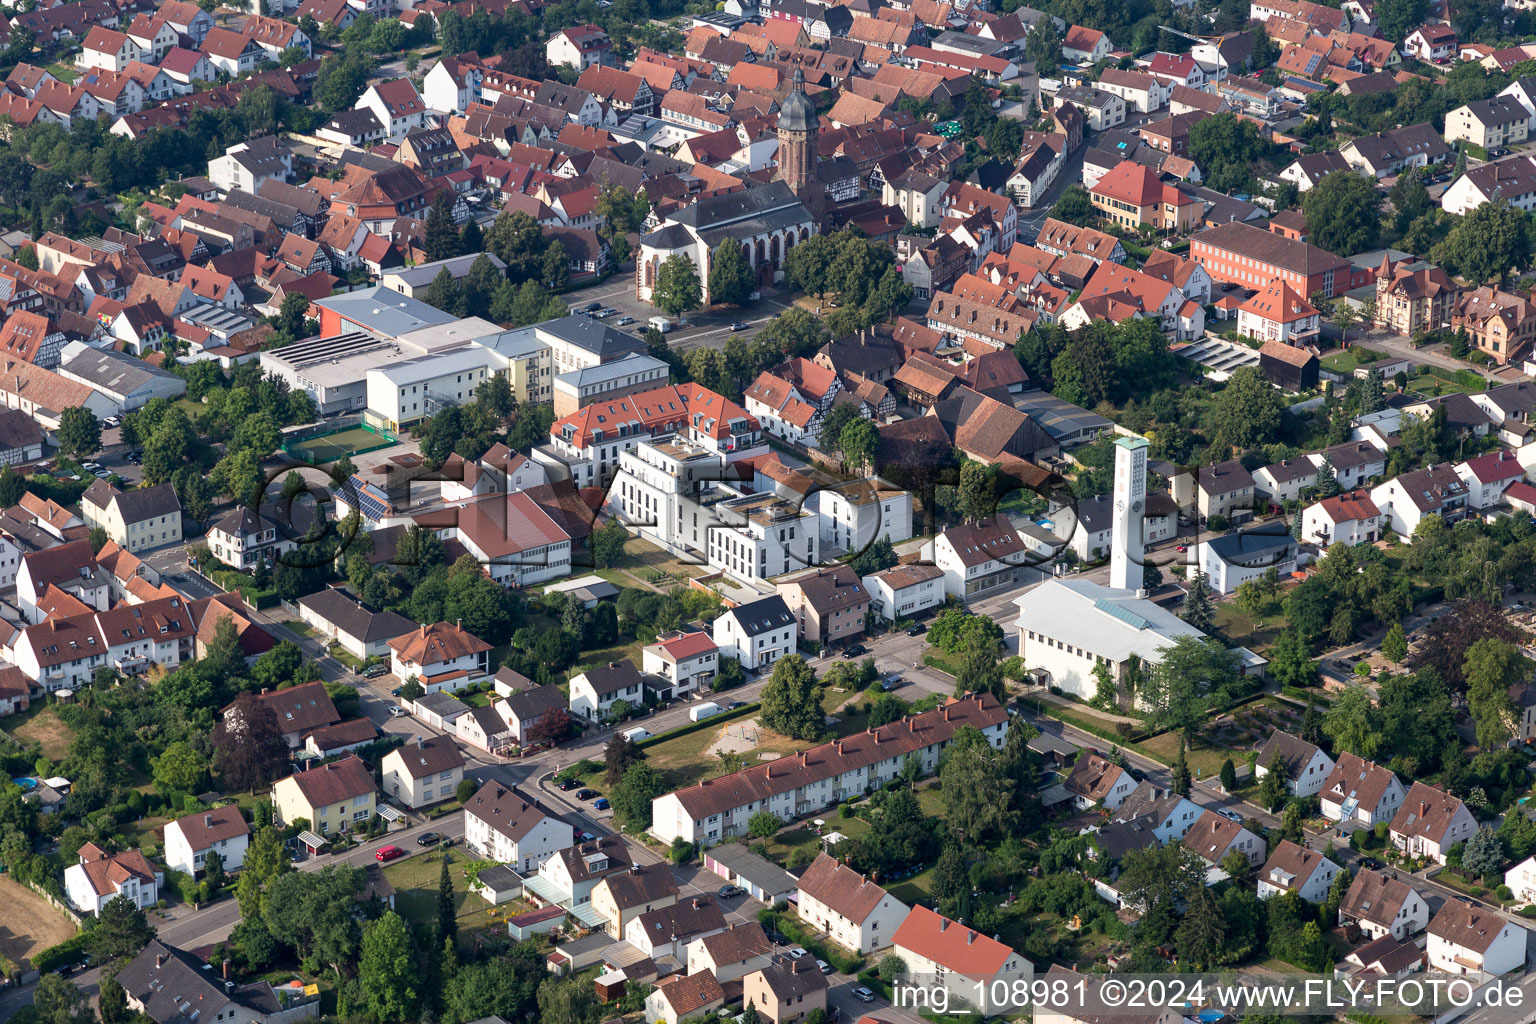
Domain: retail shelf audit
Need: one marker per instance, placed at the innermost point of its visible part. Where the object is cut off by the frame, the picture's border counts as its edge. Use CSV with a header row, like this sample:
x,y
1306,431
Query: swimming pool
x,y
25,782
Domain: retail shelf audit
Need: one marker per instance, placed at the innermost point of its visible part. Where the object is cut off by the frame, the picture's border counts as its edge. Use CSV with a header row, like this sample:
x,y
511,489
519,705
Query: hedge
x,y
67,952
792,929
703,723
1315,696
1059,713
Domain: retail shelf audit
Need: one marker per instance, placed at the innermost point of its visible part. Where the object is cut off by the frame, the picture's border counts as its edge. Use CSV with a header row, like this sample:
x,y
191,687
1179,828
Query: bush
x,y
67,952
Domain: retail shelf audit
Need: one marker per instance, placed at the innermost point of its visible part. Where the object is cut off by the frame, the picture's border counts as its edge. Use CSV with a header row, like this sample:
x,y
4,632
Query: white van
x,y
637,734
661,323
702,711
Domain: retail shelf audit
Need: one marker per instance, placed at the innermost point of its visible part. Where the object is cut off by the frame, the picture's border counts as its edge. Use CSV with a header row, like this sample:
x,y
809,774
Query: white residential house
x,y
924,941
1095,781
1406,499
595,691
758,633
1351,519
1233,559
425,771
1521,880
1476,940
1430,822
905,591
189,840
1360,790
1307,766
1215,836
687,661
732,954
444,656
855,911
506,826
1488,476
101,877
980,556
1298,869
1384,905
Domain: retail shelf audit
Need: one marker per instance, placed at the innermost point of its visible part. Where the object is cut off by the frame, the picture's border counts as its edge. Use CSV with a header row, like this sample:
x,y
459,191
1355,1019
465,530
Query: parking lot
x,y
705,328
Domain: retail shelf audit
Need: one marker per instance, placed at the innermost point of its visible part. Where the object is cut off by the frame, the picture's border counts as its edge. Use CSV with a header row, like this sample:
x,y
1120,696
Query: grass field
x,y
330,447
1425,384
415,881
1203,758
30,924
41,725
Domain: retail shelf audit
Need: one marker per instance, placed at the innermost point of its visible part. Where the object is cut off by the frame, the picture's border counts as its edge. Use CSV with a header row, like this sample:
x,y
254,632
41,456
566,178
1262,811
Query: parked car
x,y
826,968
863,995
374,671
625,321
585,837
388,853
918,629
396,711
592,307
798,952
566,785
601,803
585,794
738,326
428,839
730,891
856,651
733,705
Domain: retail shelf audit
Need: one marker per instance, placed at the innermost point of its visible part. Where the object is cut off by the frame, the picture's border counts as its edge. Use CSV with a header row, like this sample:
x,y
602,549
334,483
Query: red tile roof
x,y
954,946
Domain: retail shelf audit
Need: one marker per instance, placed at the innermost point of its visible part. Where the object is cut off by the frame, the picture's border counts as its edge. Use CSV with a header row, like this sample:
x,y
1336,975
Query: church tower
x,y
797,129
1128,545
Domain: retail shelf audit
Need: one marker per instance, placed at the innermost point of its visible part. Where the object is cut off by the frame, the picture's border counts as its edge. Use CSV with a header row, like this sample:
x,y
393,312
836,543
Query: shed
x,y
1287,366
498,884
535,922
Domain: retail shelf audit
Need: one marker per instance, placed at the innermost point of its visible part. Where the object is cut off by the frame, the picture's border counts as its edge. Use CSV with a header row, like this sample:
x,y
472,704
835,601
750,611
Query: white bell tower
x,y
1127,545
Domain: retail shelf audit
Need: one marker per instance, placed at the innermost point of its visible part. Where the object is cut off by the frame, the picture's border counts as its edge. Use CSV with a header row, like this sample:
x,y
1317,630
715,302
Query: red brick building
x,y
1252,257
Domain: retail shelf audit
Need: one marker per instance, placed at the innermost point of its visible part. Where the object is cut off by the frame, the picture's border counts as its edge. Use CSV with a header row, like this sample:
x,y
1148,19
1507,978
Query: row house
x,y
65,652
800,784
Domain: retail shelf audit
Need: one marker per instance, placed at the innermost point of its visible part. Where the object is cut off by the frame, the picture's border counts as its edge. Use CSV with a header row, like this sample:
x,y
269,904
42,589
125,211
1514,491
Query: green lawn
x,y
40,724
1343,361
66,73
1203,758
300,627
683,760
946,663
1426,383
415,880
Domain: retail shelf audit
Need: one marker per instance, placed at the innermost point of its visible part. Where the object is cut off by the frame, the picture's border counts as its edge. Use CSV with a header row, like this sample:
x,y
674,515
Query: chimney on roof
x,y
159,960
208,820
423,633
970,938
943,924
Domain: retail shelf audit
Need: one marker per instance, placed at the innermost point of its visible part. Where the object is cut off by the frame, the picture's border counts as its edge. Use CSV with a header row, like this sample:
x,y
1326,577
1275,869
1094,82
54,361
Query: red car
x,y
388,853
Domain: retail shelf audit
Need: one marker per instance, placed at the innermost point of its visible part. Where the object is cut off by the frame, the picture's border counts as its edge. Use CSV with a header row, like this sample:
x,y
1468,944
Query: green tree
x,y
1272,791
1179,780
1106,692
568,1001
1290,663
1228,775
112,1001
976,795
121,930
1343,211
79,433
387,971
446,293
1487,243
1394,646
447,906
677,286
1199,611
1202,935
858,443
632,797
730,274
1074,206
555,270
791,702
1353,724
1397,18
1192,675
442,235
56,1001
1491,668
1247,412
891,967
180,768
1483,855
762,825
809,264
608,543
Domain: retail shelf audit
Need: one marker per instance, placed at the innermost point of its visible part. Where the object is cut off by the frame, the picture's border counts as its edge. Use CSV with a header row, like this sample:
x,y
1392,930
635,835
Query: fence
x,y
56,904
